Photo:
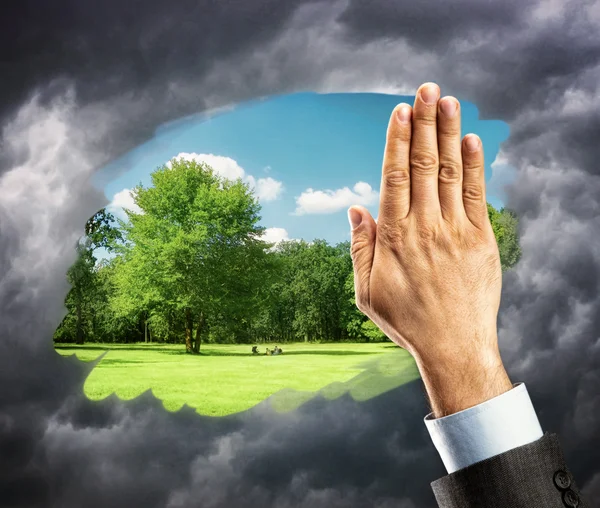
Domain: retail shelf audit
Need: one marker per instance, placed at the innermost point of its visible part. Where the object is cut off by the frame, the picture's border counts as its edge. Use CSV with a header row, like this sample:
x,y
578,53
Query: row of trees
x,y
192,267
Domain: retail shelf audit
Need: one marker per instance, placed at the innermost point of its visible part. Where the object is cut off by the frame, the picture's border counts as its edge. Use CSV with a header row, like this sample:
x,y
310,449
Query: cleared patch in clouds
x,y
330,201
266,189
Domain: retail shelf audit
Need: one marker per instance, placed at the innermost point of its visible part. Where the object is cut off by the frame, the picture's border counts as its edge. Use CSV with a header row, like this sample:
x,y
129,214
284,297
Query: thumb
x,y
364,232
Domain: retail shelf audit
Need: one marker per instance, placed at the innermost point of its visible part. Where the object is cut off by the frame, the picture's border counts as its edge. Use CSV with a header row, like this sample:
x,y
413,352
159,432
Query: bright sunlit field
x,y
227,379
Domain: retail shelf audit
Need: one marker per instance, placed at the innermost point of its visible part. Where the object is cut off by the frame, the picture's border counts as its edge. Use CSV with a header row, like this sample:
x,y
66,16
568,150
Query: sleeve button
x,y
562,479
570,499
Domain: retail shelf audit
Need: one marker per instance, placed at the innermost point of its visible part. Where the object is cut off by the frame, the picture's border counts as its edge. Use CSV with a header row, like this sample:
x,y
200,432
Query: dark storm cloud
x,y
115,47
429,23
137,50
131,66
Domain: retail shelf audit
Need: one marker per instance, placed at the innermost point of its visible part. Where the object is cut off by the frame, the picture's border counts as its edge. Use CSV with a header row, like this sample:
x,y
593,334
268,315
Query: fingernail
x,y
472,143
404,113
448,107
430,93
355,217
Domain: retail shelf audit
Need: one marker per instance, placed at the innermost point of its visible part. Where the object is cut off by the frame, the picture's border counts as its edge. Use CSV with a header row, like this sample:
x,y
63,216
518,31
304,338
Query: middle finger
x,y
424,158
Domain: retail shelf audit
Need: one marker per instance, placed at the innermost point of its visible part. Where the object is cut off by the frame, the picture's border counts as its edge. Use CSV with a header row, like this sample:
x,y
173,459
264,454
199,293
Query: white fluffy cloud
x,y
329,201
123,200
266,189
275,235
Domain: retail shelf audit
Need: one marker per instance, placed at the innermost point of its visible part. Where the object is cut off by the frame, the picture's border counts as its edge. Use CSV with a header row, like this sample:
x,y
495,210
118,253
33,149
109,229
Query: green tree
x,y
195,249
505,226
359,326
192,265
81,277
99,232
308,299
107,325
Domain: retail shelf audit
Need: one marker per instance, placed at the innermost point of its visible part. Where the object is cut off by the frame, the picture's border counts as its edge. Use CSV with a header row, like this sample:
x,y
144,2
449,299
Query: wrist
x,y
457,382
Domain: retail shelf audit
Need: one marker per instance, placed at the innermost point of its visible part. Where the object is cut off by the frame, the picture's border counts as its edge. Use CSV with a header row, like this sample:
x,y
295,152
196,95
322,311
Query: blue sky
x,y
309,156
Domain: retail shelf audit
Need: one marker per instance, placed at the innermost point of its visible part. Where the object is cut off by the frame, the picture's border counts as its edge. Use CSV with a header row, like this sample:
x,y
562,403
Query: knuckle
x,y
358,245
472,192
450,172
428,232
427,118
449,131
386,233
395,175
390,232
427,235
472,165
399,134
424,162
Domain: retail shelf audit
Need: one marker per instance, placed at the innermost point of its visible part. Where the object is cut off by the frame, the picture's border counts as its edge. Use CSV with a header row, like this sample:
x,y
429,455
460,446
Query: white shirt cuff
x,y
483,431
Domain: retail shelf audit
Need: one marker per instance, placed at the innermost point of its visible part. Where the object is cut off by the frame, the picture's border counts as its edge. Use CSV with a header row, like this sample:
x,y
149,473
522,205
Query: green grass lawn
x,y
227,379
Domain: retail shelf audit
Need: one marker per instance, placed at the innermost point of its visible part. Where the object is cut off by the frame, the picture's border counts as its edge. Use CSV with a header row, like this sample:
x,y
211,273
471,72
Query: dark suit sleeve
x,y
530,476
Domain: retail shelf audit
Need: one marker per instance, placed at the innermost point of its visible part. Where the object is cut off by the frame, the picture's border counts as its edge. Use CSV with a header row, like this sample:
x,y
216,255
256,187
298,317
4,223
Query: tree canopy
x,y
191,266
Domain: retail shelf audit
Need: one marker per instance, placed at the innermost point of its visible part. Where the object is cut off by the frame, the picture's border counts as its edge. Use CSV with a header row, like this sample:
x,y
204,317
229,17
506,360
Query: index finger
x,y
395,178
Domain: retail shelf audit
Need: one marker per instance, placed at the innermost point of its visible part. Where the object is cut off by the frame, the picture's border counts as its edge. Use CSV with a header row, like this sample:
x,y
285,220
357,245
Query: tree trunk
x,y
94,327
199,330
79,332
188,331
146,331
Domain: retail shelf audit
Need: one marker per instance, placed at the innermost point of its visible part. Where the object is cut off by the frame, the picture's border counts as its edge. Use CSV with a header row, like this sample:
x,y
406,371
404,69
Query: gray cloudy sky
x,y
107,74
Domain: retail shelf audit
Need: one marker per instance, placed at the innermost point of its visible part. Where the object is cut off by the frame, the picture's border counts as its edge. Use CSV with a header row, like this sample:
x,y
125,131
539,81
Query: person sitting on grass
x,y
276,350
254,350
268,352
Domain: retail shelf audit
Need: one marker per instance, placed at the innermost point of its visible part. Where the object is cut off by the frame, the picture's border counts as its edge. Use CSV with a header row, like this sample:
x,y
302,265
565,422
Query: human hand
x,y
428,272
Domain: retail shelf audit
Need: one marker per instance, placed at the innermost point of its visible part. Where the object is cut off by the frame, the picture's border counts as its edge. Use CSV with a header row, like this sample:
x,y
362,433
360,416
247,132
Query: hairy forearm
x,y
454,384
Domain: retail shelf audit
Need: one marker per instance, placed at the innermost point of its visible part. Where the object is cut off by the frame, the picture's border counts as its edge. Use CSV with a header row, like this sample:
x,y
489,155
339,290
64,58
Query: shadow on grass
x,y
327,352
117,347
379,376
118,361
211,352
